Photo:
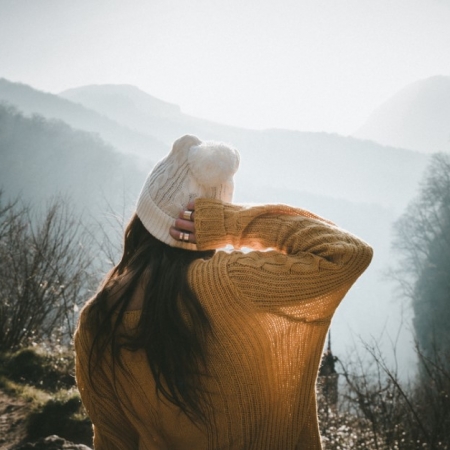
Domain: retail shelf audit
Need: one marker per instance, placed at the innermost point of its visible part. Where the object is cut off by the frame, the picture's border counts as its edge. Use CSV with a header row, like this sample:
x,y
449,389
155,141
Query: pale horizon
x,y
304,65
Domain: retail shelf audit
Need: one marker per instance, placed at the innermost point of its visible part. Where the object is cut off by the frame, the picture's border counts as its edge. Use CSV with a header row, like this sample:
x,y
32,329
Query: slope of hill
x,y
146,114
120,100
417,117
40,159
331,165
32,101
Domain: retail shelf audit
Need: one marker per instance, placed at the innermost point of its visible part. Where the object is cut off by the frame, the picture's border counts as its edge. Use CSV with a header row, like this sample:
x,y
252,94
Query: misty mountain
x,y
146,114
333,166
417,117
320,163
31,101
41,159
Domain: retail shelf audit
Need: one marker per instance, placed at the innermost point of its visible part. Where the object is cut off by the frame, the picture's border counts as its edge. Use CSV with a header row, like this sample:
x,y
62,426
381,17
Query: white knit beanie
x,y
192,169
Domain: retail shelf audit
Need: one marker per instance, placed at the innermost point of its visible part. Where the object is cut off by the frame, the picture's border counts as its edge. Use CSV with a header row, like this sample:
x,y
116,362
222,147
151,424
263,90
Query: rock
x,y
51,443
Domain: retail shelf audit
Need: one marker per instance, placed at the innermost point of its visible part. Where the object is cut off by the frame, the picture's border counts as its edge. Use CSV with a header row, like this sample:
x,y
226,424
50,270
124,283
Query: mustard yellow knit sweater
x,y
270,310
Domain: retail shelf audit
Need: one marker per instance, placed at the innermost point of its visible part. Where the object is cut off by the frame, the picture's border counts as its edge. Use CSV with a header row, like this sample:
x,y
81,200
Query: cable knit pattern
x,y
270,310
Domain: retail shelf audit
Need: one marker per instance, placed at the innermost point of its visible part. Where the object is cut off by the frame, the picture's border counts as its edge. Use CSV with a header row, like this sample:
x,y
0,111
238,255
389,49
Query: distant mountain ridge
x,y
417,117
327,164
146,114
99,96
320,163
32,101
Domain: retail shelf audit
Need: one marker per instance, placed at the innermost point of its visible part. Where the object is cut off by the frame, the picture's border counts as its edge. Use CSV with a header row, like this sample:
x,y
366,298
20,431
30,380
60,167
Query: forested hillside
x,y
41,159
31,101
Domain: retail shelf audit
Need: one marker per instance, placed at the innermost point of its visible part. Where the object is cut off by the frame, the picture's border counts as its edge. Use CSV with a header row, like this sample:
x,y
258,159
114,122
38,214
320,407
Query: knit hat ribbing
x,y
192,169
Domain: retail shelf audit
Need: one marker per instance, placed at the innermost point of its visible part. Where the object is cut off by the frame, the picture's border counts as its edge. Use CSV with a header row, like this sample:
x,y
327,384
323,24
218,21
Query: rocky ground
x,y
13,416
13,413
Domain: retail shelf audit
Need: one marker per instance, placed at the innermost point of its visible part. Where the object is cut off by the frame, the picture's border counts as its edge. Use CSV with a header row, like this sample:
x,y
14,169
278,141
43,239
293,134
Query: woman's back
x,y
269,313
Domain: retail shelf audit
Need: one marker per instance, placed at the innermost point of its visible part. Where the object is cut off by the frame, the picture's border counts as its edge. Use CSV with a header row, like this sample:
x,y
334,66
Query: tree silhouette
x,y
423,241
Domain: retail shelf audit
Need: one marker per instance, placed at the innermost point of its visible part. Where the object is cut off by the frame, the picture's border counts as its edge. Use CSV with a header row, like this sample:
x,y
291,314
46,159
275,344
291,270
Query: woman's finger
x,y
185,225
183,229
187,215
182,235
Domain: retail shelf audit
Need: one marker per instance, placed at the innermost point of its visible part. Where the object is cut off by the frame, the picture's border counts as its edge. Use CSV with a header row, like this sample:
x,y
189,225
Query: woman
x,y
185,347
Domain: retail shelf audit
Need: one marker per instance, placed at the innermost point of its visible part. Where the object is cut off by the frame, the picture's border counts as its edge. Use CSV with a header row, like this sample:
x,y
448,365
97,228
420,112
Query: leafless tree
x,y
45,272
422,242
380,411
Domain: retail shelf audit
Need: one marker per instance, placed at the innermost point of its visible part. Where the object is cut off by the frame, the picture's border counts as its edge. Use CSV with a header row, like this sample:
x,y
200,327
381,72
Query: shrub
x,y
49,371
62,416
45,273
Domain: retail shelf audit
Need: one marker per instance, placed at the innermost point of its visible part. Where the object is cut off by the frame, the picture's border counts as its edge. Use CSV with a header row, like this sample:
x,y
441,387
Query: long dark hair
x,y
173,325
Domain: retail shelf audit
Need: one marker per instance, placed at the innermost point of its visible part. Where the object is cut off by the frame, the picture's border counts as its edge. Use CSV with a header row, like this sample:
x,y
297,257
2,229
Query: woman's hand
x,y
184,227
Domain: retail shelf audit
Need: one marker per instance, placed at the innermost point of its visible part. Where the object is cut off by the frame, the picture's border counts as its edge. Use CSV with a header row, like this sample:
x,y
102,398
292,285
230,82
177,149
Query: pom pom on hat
x,y
213,163
192,169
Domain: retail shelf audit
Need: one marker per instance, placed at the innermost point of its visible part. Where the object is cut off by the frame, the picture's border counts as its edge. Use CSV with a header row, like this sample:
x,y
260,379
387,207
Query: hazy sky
x,y
314,65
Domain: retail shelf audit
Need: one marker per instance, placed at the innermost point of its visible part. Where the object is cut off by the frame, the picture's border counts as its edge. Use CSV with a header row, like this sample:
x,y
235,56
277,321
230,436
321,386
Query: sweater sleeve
x,y
301,256
112,430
